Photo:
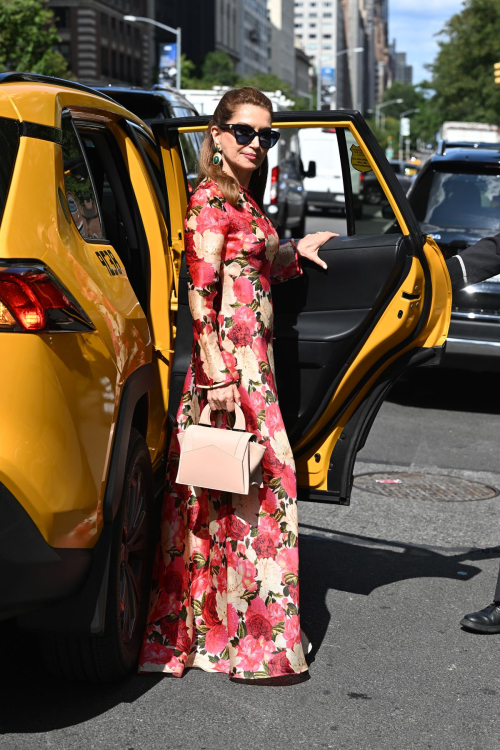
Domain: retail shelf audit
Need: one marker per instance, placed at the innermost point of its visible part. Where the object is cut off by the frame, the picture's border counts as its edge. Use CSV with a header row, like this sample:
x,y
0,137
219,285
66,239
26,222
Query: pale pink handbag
x,y
215,459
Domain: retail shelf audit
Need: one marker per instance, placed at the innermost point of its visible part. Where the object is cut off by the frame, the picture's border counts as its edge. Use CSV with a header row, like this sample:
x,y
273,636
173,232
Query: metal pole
x,y
178,76
176,32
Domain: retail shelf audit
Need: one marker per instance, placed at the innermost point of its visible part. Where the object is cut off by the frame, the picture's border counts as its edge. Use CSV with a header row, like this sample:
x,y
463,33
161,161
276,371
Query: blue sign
x,y
328,76
167,56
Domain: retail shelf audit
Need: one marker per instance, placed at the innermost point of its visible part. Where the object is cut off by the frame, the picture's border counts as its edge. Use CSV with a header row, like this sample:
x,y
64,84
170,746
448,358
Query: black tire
x,y
110,656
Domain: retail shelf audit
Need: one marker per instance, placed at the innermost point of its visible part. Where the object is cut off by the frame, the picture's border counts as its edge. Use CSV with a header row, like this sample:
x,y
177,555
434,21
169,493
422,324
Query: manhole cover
x,y
432,487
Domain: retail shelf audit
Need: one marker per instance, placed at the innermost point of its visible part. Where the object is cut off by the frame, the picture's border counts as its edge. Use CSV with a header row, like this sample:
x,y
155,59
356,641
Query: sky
x,y
414,23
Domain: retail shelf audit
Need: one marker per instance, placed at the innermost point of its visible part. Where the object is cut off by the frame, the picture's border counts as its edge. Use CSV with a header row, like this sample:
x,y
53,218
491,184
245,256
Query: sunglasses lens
x,y
244,134
269,138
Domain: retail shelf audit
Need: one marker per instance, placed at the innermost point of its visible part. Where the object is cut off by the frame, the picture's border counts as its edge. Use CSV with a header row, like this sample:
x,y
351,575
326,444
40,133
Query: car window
x,y
121,217
148,153
9,145
468,199
181,111
80,191
191,146
344,191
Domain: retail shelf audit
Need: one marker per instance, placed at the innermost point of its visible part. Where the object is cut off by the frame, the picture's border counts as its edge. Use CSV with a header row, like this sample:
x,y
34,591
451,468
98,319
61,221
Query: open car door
x,y
342,336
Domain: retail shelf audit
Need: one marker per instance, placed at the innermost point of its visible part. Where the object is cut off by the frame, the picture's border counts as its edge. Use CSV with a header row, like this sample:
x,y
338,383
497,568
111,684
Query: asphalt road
x,y
384,584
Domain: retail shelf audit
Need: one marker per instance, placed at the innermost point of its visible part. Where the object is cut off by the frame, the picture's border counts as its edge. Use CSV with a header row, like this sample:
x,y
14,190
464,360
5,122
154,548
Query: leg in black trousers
x,y
486,620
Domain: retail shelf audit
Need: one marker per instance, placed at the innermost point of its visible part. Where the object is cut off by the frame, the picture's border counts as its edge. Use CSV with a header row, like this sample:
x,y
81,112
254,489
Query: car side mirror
x,y
311,170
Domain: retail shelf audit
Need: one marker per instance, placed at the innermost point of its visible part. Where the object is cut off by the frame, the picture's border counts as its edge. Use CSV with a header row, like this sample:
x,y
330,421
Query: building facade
x,y
238,27
100,46
302,83
347,41
401,71
255,38
282,51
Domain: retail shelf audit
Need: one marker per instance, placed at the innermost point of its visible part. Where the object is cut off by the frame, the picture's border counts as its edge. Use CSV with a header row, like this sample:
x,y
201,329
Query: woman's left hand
x,y
309,246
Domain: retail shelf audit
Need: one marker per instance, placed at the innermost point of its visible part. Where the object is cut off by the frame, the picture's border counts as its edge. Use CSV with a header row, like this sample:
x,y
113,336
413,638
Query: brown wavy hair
x,y
223,114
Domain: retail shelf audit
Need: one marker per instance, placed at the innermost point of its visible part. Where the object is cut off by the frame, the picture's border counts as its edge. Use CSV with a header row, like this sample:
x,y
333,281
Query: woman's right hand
x,y
223,398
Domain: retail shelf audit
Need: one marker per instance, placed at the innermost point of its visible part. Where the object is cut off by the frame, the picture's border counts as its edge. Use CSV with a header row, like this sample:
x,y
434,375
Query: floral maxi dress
x,y
225,593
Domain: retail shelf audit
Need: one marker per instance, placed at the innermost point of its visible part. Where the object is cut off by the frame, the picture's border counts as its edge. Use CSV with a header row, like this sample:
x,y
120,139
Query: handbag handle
x,y
238,425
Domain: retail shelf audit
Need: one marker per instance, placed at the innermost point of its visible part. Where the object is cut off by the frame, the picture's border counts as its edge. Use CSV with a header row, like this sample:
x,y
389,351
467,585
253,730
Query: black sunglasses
x,y
244,134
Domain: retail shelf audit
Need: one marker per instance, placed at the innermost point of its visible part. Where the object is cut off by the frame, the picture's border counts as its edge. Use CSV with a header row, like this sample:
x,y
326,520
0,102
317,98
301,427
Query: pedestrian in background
x,y
225,593
477,263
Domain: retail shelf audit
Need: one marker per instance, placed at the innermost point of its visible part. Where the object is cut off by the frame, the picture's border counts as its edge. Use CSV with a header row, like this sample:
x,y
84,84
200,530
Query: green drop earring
x,y
217,158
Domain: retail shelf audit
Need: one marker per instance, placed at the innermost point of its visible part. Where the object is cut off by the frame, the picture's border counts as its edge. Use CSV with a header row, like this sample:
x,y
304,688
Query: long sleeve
x,y
477,263
206,230
286,264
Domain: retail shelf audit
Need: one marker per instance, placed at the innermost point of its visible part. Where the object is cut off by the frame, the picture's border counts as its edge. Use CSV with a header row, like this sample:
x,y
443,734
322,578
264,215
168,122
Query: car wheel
x,y
110,656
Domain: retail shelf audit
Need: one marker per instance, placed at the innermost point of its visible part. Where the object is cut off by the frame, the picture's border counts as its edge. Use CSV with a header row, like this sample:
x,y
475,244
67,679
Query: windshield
x,y
467,199
9,144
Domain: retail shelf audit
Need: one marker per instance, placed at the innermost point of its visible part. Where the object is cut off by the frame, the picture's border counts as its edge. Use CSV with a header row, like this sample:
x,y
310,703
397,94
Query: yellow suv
x,y
95,338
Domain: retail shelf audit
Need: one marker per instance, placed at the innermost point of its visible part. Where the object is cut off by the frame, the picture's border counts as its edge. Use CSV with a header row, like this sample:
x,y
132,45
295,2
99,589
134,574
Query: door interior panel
x,y
323,318
320,321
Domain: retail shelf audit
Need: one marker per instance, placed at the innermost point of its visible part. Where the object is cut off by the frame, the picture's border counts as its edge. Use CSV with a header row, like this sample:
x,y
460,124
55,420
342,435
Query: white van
x,y
325,191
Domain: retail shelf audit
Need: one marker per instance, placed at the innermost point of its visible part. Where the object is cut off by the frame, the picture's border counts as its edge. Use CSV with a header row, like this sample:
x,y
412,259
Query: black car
x,y
456,199
405,172
161,102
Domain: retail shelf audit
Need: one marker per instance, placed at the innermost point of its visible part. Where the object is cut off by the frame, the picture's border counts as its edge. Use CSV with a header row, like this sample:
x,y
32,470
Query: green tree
x,y
27,38
188,73
462,73
218,70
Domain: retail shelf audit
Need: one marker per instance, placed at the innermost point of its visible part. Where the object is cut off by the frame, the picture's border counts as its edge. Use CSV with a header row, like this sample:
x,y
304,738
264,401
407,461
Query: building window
x,y
105,61
104,25
137,71
312,25
313,15
299,15
327,46
63,48
312,46
62,17
114,71
327,15
327,36
312,36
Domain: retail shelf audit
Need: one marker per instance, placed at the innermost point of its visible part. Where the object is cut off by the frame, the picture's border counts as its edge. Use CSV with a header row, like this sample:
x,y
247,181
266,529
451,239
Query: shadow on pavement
x,y
450,390
32,701
359,565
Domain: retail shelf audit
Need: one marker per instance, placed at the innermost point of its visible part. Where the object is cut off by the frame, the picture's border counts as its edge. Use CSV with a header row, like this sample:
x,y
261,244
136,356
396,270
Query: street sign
x,y
404,127
167,64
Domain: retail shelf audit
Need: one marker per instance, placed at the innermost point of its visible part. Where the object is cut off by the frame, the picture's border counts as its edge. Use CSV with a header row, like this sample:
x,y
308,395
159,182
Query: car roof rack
x,y
443,146
36,78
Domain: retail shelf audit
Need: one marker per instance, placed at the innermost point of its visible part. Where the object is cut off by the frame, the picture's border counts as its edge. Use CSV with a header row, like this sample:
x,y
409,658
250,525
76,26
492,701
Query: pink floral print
x,y
225,590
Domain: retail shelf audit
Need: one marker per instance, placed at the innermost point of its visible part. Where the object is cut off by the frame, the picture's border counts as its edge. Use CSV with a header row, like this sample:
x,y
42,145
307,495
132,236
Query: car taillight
x,y
275,174
362,177
33,300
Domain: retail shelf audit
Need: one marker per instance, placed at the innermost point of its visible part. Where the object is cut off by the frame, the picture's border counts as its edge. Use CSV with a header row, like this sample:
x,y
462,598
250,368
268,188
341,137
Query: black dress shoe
x,y
487,620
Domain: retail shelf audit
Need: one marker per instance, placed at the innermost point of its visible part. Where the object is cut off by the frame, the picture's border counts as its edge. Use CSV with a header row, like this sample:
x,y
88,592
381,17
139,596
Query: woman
x,y
225,584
